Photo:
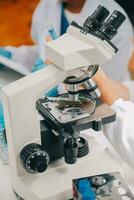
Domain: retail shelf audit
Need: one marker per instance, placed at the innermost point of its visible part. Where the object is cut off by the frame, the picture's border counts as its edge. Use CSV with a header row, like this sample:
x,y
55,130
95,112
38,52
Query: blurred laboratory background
x,y
15,22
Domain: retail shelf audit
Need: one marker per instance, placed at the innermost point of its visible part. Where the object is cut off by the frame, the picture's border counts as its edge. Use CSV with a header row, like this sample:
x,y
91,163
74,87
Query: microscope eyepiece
x,y
100,14
110,27
105,29
116,19
95,20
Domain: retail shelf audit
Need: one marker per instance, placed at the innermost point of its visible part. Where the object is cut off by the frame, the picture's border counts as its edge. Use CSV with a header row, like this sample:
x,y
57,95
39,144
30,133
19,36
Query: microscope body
x,y
74,50
71,51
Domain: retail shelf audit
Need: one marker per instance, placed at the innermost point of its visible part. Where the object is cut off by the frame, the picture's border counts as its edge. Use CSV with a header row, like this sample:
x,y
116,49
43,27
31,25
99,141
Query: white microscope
x,y
44,156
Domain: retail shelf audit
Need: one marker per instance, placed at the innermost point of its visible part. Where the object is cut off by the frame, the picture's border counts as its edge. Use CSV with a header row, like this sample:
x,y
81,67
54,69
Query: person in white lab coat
x,y
53,12
121,132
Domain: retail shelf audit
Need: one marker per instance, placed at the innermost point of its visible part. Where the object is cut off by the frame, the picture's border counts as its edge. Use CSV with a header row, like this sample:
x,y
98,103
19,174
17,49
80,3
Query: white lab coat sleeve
x,y
26,55
39,23
121,132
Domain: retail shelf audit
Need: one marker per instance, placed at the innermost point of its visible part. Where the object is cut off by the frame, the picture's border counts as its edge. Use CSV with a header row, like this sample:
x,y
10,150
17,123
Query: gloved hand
x,y
53,92
2,124
5,53
39,64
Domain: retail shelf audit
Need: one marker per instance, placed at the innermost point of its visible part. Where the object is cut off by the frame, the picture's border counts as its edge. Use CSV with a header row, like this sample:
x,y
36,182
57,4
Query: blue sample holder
x,y
85,189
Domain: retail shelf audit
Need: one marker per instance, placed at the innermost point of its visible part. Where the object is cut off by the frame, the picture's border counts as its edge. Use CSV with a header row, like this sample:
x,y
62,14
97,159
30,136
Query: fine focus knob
x,y
70,151
34,159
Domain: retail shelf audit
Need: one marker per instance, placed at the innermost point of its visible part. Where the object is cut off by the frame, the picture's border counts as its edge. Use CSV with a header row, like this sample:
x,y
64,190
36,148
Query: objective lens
x,y
94,21
110,27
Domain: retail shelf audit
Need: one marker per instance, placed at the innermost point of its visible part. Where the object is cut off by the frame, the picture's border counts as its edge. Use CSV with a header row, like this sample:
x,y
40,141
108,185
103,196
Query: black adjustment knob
x,y
83,148
34,159
70,151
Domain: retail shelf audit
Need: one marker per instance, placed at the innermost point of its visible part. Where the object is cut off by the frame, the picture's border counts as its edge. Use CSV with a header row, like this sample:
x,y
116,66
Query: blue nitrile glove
x,y
2,124
39,64
53,92
5,53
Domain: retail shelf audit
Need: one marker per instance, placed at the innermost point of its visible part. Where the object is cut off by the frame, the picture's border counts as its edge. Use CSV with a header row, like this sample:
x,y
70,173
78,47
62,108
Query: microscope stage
x,y
80,117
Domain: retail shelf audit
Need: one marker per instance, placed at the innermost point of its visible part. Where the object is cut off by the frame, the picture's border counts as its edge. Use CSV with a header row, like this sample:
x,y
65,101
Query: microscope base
x,y
56,182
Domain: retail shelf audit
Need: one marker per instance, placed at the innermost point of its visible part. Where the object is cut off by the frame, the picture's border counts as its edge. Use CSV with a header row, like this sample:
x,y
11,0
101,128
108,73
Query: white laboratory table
x,y
6,192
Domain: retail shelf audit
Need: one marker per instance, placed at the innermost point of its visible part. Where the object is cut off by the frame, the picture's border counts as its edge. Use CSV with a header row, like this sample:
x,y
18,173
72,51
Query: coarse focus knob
x,y
34,159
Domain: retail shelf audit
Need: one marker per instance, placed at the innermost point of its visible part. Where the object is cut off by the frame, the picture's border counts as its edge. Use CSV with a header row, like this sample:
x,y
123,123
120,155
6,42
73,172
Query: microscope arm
x,y
19,99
